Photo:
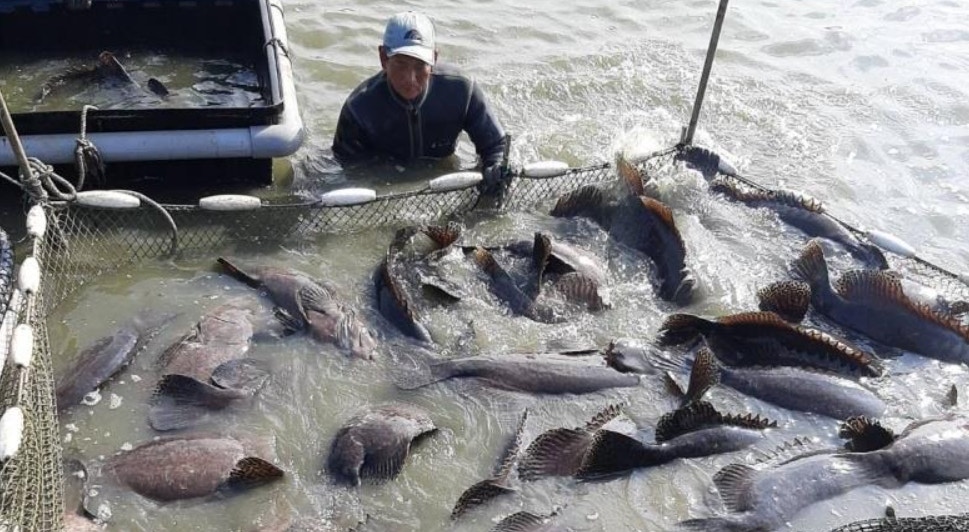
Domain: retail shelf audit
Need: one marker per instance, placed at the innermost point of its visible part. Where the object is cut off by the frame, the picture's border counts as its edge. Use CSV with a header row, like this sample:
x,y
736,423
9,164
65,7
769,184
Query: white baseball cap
x,y
411,34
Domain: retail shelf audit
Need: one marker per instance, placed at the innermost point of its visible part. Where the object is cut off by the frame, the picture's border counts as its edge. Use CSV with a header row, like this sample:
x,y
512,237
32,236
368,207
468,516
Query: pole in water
x,y
687,138
11,131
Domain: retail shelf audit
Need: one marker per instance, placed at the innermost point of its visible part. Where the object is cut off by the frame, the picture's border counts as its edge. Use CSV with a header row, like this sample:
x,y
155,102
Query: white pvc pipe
x,y
259,142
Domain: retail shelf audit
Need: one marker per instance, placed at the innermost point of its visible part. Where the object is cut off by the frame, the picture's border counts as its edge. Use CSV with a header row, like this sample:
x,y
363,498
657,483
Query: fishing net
x,y
83,242
930,523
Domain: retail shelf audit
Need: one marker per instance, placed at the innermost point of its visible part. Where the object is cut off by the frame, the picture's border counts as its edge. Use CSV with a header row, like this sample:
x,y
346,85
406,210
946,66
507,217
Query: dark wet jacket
x,y
376,121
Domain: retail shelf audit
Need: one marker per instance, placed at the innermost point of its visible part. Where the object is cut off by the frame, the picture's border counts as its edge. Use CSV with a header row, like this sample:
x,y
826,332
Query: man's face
x,y
407,75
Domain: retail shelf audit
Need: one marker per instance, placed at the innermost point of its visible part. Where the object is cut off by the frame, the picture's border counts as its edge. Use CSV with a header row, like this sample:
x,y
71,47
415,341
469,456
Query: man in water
x,y
416,107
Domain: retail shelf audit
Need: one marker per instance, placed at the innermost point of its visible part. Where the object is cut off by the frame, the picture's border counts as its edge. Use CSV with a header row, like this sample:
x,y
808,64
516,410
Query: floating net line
x,y
81,243
929,523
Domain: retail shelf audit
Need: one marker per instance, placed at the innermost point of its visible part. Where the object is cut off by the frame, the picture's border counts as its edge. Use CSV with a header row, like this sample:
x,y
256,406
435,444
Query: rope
x,y
86,154
164,213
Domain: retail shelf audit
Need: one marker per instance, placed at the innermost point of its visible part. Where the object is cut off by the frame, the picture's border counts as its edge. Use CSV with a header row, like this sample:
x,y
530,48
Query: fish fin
x,y
786,450
520,522
688,419
394,303
541,252
865,434
386,462
788,299
630,176
612,453
885,288
672,387
443,236
581,290
556,452
317,297
765,319
869,254
181,402
952,397
665,216
478,494
748,421
704,375
252,471
247,375
415,368
733,482
679,329
346,458
290,323
716,524
603,416
238,274
508,457
585,201
811,267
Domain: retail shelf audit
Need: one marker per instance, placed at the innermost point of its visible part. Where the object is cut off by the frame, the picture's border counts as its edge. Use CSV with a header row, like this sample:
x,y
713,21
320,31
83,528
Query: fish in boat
x,y
106,68
107,356
529,522
874,303
804,213
930,451
548,373
305,303
181,467
374,443
206,370
764,339
595,452
640,222
497,484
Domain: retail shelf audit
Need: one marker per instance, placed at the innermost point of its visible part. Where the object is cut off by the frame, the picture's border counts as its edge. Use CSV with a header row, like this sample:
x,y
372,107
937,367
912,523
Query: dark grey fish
x,y
498,484
504,288
158,88
804,213
874,304
537,373
528,522
931,451
801,389
375,443
308,304
580,277
551,255
107,356
182,467
593,452
205,370
764,339
107,67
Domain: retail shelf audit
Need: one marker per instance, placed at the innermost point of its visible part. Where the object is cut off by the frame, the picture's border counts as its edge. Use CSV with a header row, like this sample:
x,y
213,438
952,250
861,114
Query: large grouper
x,y
182,467
306,303
874,303
930,451
548,373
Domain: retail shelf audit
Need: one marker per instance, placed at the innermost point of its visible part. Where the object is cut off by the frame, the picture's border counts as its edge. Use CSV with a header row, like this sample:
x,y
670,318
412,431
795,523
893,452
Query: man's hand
x,y
495,181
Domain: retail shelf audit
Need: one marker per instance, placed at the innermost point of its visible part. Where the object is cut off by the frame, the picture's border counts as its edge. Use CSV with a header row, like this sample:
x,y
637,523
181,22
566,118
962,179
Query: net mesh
x,y
82,243
930,523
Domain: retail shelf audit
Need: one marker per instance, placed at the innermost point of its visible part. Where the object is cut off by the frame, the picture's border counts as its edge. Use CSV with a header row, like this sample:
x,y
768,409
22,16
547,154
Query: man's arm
x,y
350,142
483,128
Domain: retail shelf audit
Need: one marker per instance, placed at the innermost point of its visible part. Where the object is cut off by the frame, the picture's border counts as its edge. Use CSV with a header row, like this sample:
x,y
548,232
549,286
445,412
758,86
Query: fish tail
x,y
233,271
788,299
613,453
870,255
415,368
180,402
585,201
679,329
541,251
811,267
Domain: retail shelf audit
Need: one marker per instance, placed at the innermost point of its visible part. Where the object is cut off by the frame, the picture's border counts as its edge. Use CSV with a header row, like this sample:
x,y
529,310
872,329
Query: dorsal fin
x,y
630,176
798,200
865,434
521,522
735,189
443,236
556,452
885,288
679,329
604,416
665,216
788,299
704,375
541,251
767,319
581,290
507,459
583,201
748,421
253,470
856,357
733,482
688,419
478,494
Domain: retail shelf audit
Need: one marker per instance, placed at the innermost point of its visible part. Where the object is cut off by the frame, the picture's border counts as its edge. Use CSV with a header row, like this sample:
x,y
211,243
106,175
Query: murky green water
x,y
862,104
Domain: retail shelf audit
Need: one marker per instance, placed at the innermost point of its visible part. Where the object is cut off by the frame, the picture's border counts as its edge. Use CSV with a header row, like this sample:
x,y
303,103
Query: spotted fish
x,y
764,339
874,303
